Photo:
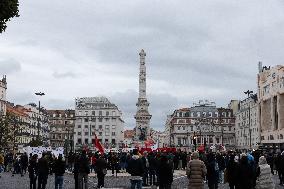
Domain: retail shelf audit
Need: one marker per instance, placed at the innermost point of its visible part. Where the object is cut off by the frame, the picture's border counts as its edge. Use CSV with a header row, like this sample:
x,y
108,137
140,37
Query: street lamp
x,y
38,125
248,92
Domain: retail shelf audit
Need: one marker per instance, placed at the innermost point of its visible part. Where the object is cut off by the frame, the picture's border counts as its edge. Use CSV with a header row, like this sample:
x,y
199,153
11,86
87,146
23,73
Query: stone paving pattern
x,y
18,182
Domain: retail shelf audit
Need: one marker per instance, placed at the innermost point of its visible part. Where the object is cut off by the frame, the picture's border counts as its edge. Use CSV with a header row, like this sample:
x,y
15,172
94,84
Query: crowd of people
x,y
252,170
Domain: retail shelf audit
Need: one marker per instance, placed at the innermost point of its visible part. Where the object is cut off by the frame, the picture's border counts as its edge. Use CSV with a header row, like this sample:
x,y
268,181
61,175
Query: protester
x,y
196,171
59,170
212,171
231,169
76,170
244,174
33,171
24,160
83,170
165,173
136,170
101,170
281,168
145,161
43,170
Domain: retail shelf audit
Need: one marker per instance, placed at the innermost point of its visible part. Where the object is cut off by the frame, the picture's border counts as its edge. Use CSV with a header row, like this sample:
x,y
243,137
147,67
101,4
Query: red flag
x,y
98,145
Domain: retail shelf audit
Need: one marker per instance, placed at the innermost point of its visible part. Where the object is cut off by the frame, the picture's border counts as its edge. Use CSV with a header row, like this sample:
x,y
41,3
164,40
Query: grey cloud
x,y
9,66
64,75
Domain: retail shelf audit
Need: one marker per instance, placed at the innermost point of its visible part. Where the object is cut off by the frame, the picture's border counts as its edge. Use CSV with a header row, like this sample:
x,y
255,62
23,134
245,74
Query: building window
x,y
100,119
79,141
86,126
93,126
86,120
79,133
86,133
93,119
100,127
191,128
100,113
93,113
107,113
113,133
79,126
100,133
113,141
178,127
86,141
113,127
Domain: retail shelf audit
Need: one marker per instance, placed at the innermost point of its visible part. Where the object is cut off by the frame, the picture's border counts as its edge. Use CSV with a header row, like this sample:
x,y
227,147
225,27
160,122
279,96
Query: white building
x,y
271,106
202,124
38,122
97,116
3,89
247,125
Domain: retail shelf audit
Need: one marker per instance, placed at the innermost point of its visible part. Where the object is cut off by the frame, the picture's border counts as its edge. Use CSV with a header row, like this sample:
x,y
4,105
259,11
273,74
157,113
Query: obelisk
x,y
142,129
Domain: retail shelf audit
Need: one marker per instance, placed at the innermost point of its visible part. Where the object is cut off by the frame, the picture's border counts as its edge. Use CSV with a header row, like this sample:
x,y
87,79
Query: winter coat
x,y
101,164
59,167
43,168
212,172
33,168
135,166
244,174
165,173
83,165
232,168
196,171
264,181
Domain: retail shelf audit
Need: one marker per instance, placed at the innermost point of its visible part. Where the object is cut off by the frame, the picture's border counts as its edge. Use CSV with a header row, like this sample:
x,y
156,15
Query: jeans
x,y
145,176
83,180
135,183
152,176
221,176
58,182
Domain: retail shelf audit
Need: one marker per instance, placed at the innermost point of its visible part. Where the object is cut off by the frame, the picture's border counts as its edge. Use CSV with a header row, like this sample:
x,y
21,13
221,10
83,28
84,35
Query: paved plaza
x,y
122,181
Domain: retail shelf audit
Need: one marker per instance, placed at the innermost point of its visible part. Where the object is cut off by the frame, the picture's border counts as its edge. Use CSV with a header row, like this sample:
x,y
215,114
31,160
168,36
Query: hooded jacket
x,y
135,166
264,181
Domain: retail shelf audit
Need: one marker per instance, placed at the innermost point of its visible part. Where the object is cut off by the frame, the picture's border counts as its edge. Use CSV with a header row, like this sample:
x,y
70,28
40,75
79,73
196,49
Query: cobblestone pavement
x,y
18,182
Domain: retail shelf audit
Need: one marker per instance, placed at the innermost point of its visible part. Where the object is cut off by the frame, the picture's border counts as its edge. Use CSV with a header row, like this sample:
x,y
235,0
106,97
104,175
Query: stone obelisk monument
x,y
142,129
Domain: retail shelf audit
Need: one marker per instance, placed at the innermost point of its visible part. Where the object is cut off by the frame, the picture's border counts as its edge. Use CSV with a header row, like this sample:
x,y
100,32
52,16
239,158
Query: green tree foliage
x,y
8,10
5,132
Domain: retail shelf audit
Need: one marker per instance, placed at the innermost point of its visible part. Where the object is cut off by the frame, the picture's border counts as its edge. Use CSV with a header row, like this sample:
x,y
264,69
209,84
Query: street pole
x,y
38,124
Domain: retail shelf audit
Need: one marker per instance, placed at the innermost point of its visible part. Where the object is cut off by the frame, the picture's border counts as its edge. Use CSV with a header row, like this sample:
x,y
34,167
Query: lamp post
x,y
248,92
38,124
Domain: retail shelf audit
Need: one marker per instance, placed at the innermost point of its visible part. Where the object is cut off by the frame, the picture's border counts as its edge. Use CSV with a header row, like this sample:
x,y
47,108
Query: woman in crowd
x,y
264,180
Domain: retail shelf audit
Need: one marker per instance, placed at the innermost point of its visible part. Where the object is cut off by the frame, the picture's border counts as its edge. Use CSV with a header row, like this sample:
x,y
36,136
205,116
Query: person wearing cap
x,y
136,170
196,171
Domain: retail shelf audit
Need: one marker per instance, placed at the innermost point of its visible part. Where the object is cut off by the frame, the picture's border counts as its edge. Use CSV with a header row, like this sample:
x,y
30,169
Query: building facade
x,y
38,120
3,89
97,116
62,123
247,125
271,105
204,124
142,129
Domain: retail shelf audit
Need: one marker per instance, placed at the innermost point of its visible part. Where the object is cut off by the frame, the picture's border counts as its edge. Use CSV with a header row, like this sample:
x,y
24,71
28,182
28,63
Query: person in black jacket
x,y
43,170
33,171
212,171
136,169
244,173
152,168
101,170
83,170
59,170
76,170
24,160
165,173
232,168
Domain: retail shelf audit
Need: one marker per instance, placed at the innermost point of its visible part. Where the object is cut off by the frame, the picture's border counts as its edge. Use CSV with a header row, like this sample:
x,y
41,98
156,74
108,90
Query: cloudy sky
x,y
195,50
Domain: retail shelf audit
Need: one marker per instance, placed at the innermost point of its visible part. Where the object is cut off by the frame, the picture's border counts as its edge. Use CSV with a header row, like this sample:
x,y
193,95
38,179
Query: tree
x,y
8,10
5,132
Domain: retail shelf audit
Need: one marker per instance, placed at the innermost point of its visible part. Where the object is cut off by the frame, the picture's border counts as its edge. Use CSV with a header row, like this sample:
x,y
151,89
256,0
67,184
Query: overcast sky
x,y
195,50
